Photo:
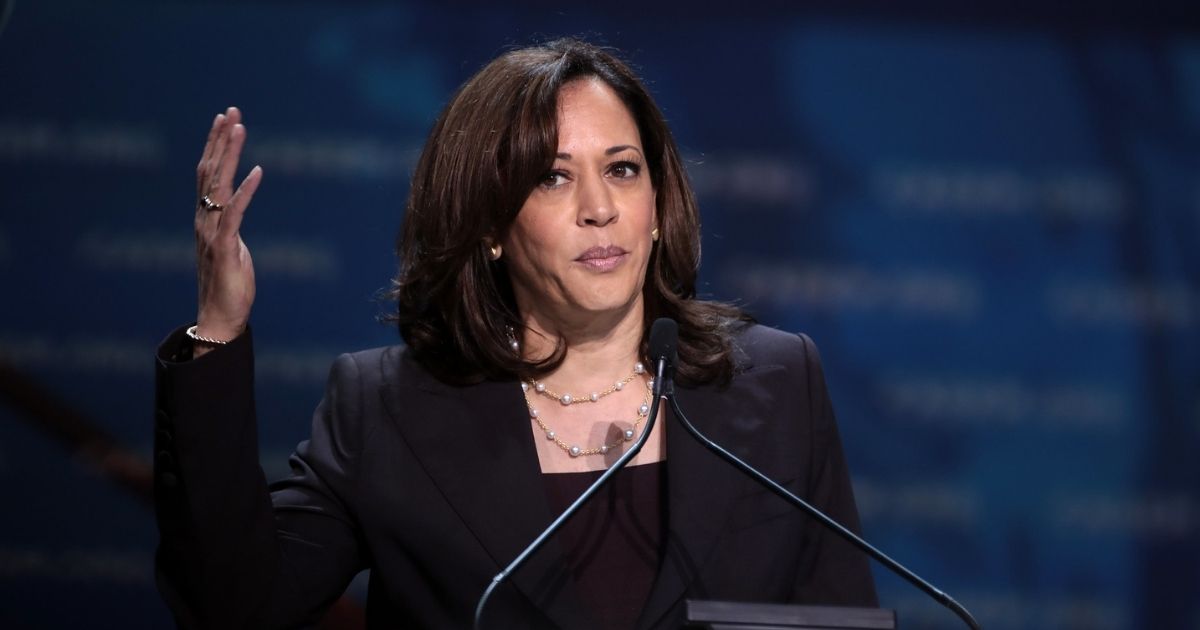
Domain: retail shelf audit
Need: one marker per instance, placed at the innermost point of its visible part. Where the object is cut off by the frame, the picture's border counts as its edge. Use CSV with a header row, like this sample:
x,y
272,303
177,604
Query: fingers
x,y
209,145
218,123
231,127
214,178
235,210
229,162
226,138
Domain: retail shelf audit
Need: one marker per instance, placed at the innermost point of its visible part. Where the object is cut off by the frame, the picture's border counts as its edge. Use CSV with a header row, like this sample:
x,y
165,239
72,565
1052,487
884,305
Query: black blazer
x,y
436,487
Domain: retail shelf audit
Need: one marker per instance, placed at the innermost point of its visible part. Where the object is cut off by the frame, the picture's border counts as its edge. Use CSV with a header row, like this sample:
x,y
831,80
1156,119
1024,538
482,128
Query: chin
x,y
609,303
609,294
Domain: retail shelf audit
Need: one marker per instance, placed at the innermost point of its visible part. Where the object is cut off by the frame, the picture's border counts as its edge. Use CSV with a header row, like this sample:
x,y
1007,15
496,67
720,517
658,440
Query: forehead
x,y
590,112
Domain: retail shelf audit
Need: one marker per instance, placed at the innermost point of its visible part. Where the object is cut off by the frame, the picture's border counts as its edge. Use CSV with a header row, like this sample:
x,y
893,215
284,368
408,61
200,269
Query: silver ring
x,y
210,205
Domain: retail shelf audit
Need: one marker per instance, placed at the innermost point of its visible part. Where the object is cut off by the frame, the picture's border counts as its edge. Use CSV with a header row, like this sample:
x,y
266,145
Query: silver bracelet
x,y
191,332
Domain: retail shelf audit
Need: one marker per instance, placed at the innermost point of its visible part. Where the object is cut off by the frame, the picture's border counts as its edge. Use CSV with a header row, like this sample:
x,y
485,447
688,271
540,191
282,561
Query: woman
x,y
549,220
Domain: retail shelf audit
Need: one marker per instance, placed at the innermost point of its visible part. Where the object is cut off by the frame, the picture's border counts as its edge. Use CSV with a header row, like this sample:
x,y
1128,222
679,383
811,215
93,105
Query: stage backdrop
x,y
988,222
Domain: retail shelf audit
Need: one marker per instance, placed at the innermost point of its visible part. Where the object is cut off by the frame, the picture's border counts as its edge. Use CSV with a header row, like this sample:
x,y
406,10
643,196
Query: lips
x,y
597,253
602,258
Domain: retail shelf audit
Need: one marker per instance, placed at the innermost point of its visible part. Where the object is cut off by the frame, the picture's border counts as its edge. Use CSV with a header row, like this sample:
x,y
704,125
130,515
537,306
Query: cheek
x,y
648,207
533,243
647,218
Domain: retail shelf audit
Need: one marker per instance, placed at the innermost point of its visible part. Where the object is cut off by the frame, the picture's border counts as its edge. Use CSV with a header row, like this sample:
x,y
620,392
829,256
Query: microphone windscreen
x,y
664,335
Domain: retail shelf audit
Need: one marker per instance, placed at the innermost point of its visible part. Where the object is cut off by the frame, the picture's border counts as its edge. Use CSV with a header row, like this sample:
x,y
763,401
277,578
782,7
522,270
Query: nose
x,y
595,203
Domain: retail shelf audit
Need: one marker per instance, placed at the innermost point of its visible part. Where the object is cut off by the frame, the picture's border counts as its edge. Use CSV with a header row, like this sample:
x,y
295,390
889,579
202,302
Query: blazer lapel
x,y
476,444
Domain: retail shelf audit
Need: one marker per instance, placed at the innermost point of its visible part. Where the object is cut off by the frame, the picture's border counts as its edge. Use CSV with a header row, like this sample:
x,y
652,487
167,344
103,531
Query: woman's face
x,y
580,245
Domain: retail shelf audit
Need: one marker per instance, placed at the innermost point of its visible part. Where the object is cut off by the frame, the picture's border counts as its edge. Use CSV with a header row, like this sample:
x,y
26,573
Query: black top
x,y
614,544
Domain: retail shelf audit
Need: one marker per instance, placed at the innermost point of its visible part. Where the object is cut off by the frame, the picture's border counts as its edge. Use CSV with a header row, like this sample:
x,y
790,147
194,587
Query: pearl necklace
x,y
568,400
574,450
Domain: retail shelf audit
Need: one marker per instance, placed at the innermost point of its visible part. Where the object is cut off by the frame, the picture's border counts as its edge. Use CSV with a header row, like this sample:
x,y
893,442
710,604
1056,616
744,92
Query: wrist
x,y
204,338
215,331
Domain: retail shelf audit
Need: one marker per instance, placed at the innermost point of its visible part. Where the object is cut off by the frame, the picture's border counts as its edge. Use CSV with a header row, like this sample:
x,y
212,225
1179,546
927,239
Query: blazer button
x,y
164,438
168,480
164,420
163,461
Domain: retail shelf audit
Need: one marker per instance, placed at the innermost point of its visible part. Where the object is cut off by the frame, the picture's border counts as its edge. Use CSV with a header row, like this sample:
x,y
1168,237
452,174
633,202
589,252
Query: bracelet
x,y
191,332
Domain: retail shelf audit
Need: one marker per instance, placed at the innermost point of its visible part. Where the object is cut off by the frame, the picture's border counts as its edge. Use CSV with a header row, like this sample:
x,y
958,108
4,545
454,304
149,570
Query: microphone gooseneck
x,y
663,337
839,529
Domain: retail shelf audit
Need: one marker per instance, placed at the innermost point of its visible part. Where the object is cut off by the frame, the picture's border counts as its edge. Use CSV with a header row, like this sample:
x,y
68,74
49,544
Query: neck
x,y
600,349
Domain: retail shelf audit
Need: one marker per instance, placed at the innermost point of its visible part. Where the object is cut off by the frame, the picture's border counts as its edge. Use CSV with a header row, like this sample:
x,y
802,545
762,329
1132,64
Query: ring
x,y
209,204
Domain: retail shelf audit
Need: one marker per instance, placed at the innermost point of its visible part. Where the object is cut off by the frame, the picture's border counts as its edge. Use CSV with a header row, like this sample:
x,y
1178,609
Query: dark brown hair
x,y
487,151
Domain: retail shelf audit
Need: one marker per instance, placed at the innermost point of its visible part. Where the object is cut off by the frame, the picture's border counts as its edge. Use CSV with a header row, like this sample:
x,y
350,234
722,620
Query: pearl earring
x,y
654,234
494,251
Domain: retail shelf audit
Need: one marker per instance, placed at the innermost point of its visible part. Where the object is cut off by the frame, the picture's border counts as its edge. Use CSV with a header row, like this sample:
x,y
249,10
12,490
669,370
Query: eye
x,y
553,179
625,170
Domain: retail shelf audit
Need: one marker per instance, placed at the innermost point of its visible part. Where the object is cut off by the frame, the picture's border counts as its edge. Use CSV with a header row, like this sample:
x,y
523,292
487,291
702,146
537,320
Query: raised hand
x,y
225,271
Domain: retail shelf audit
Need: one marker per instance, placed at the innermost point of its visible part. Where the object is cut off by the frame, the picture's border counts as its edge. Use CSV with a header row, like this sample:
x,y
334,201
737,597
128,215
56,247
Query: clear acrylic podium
x,y
717,615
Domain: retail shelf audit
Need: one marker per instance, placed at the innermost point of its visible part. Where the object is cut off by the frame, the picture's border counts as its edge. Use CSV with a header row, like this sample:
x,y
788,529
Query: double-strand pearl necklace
x,y
574,450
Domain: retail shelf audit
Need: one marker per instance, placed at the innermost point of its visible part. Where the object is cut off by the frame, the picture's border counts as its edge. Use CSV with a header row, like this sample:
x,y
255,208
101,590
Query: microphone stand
x,y
854,539
657,394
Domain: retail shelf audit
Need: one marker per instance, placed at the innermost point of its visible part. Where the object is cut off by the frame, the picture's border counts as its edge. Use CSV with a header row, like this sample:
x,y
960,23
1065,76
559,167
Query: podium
x,y
718,615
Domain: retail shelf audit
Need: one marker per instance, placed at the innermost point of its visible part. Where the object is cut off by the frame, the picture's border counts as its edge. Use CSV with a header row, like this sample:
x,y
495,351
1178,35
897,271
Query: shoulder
x,y
757,346
381,368
372,366
357,395
370,360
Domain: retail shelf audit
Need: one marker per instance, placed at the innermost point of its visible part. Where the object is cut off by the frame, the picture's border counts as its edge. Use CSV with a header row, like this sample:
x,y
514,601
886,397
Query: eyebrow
x,y
608,151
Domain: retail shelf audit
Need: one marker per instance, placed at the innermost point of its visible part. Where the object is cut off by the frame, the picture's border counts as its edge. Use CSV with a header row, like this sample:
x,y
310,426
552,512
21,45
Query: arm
x,y
232,555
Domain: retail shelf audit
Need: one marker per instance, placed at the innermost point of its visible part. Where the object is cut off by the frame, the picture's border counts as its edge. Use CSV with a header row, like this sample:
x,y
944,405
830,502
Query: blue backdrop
x,y
988,221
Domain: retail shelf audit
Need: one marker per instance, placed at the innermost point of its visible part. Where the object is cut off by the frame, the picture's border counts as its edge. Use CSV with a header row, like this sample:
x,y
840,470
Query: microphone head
x,y
664,337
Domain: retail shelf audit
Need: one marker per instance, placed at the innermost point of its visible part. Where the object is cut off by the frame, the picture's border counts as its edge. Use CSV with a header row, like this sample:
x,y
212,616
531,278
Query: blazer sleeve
x,y
834,571
233,551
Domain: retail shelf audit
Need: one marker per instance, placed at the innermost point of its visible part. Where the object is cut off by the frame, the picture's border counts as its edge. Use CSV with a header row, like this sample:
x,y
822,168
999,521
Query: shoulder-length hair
x,y
493,143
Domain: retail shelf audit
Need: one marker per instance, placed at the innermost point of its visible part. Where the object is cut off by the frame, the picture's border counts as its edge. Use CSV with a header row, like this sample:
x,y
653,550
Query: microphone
x,y
837,528
663,346
664,335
